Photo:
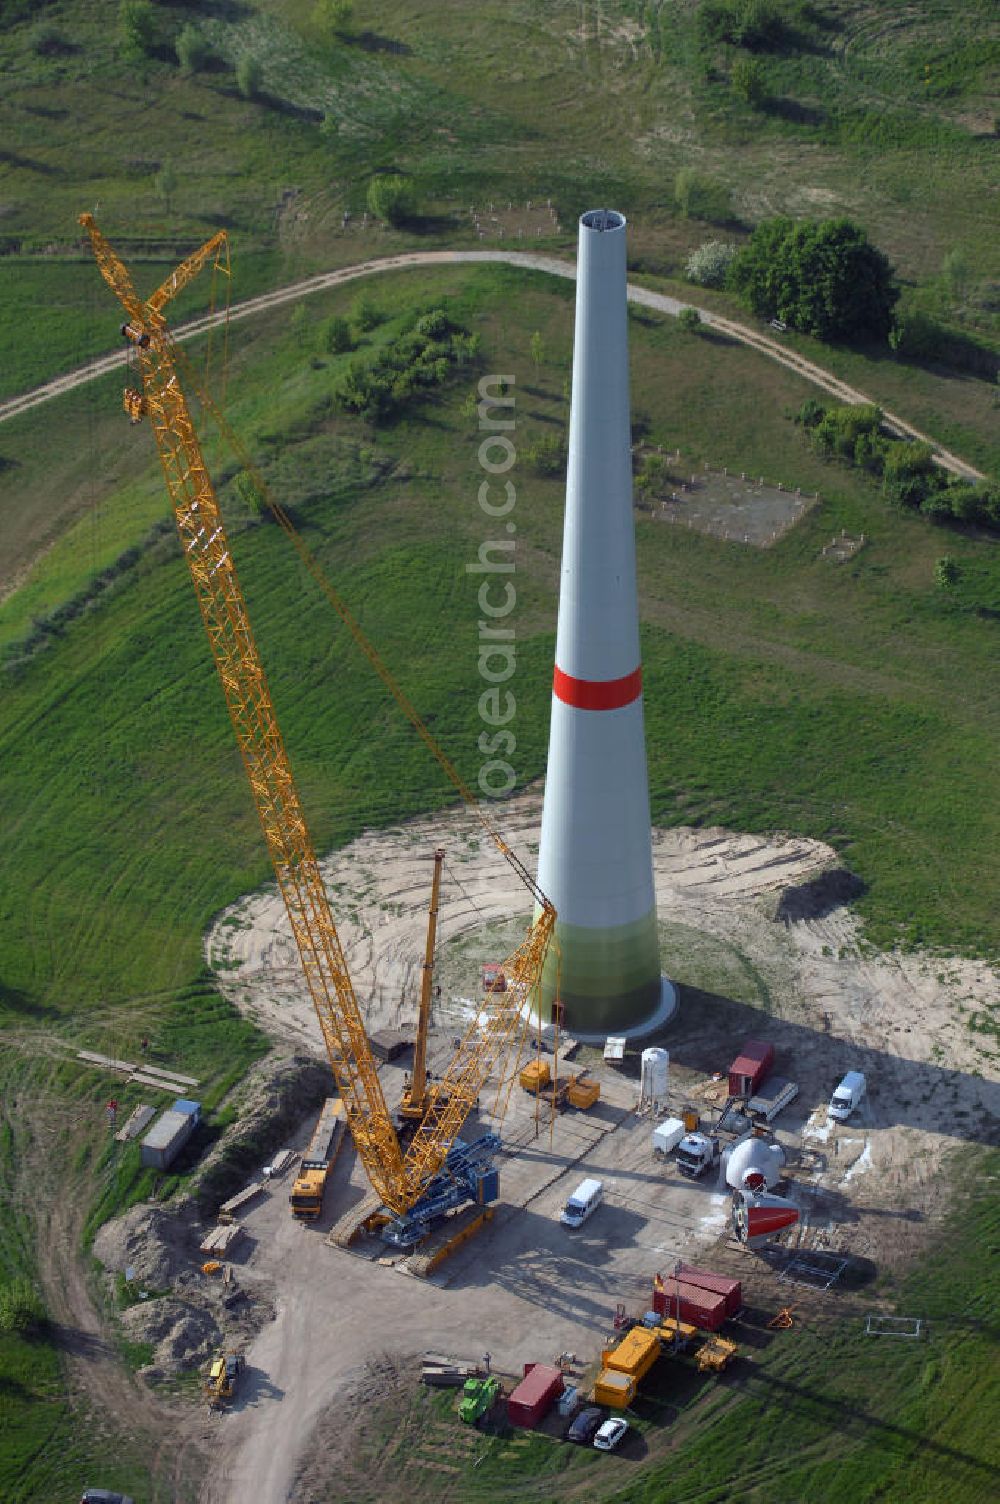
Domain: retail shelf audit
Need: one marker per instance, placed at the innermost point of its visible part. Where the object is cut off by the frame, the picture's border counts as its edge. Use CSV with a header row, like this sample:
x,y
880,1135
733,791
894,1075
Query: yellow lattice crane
x,y
401,1180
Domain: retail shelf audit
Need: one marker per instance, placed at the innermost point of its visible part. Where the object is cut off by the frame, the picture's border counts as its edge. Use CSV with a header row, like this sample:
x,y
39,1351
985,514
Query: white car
x,y
610,1434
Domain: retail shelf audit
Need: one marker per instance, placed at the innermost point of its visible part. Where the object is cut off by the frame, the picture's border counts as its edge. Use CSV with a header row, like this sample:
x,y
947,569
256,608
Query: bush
x,y
249,76
421,357
699,197
332,17
748,81
365,314
47,40
547,456
710,263
391,197
138,27
745,23
21,1308
821,278
193,52
689,320
334,336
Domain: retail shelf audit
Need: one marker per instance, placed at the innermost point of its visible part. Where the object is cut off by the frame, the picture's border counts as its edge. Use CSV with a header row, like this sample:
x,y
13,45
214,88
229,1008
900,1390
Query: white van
x,y
585,1199
847,1095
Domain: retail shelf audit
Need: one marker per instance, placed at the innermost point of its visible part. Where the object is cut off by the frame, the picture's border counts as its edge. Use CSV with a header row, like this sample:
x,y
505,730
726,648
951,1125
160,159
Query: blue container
x,y
488,1187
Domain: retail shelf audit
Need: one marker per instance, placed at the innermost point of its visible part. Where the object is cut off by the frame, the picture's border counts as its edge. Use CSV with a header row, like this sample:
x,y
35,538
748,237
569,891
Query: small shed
x,y
534,1397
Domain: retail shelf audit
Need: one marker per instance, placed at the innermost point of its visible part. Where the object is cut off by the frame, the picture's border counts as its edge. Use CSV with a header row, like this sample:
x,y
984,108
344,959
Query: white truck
x,y
847,1096
696,1153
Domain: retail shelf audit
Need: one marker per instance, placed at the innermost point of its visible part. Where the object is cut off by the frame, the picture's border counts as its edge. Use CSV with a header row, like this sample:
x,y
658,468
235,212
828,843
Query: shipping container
x,y
615,1389
167,1137
635,1354
535,1395
750,1067
701,1308
720,1284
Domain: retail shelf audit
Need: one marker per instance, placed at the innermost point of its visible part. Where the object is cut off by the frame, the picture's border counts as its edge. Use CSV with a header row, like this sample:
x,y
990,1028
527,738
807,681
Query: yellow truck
x,y
306,1199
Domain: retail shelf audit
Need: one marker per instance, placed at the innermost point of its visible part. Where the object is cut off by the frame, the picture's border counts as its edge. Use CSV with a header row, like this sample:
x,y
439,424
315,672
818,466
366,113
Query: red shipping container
x,y
750,1068
702,1308
730,1289
535,1395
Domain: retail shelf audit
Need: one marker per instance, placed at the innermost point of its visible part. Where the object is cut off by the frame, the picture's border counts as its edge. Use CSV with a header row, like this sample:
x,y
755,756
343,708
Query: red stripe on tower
x,y
597,694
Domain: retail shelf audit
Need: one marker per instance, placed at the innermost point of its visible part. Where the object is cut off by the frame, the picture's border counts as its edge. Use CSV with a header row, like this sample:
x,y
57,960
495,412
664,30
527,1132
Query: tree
x,y
249,76
137,24
192,50
821,278
364,314
956,272
537,348
689,320
710,263
332,17
390,197
249,493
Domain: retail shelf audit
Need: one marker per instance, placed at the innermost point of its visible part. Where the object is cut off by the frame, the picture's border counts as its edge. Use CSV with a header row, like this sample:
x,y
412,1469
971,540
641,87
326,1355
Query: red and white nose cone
x,y
758,1218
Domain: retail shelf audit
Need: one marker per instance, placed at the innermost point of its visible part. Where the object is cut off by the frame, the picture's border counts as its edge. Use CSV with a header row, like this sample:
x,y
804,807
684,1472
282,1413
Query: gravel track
x,y
554,266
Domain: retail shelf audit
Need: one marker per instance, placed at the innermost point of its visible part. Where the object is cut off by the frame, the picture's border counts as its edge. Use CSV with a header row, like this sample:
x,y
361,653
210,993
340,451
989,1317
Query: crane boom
x,y
399,1180
414,1097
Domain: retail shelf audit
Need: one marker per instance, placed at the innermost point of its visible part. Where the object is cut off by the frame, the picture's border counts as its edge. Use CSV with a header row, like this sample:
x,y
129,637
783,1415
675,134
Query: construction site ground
x,y
756,934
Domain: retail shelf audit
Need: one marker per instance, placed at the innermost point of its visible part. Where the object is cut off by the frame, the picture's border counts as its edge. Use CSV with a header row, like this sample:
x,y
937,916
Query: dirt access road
x,y
553,266
753,925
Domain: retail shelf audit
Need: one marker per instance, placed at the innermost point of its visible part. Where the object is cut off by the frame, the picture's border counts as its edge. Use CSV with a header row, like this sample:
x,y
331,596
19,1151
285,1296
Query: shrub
x,y
47,40
748,81
138,27
21,1308
365,313
421,357
391,197
947,572
193,52
700,197
249,76
547,455
332,17
334,335
710,263
689,320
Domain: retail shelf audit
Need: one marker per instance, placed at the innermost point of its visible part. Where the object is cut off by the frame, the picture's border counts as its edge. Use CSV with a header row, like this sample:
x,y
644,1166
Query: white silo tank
x,y
655,1074
755,1164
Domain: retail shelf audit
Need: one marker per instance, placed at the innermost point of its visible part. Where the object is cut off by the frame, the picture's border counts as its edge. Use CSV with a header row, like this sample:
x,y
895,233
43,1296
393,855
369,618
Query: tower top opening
x,y
602,219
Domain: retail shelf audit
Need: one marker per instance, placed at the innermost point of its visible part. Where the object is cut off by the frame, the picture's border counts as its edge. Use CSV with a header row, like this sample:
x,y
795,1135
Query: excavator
x,y
413,1185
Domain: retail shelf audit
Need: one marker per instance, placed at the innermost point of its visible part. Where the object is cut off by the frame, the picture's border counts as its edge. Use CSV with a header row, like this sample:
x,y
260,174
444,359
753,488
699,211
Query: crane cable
x,y
314,567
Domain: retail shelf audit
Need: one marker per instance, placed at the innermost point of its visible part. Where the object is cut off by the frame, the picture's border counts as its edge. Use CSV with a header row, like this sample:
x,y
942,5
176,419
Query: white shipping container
x,y
667,1135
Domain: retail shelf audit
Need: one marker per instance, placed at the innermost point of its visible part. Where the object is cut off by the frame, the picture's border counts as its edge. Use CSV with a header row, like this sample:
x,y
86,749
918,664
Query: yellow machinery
x,y
580,1091
715,1353
399,1179
416,1098
535,1076
223,1375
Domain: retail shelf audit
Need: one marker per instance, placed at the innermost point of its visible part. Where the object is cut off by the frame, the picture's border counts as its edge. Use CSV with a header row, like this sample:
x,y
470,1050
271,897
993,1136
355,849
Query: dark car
x,y
584,1425
104,1496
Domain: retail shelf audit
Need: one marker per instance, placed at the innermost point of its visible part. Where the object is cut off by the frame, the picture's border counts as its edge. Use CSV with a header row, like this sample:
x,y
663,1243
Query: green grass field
x,y
856,703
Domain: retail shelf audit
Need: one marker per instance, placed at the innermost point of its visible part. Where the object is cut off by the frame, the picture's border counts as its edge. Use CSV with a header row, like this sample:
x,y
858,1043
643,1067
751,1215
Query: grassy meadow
x,y
856,702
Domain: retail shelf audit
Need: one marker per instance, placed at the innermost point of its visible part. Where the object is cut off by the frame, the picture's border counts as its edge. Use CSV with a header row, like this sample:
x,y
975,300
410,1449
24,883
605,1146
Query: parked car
x,y
104,1496
779,324
585,1425
610,1434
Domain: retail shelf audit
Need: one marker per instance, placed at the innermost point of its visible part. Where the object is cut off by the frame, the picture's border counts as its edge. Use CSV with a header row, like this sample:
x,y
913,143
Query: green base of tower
x,y
608,980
